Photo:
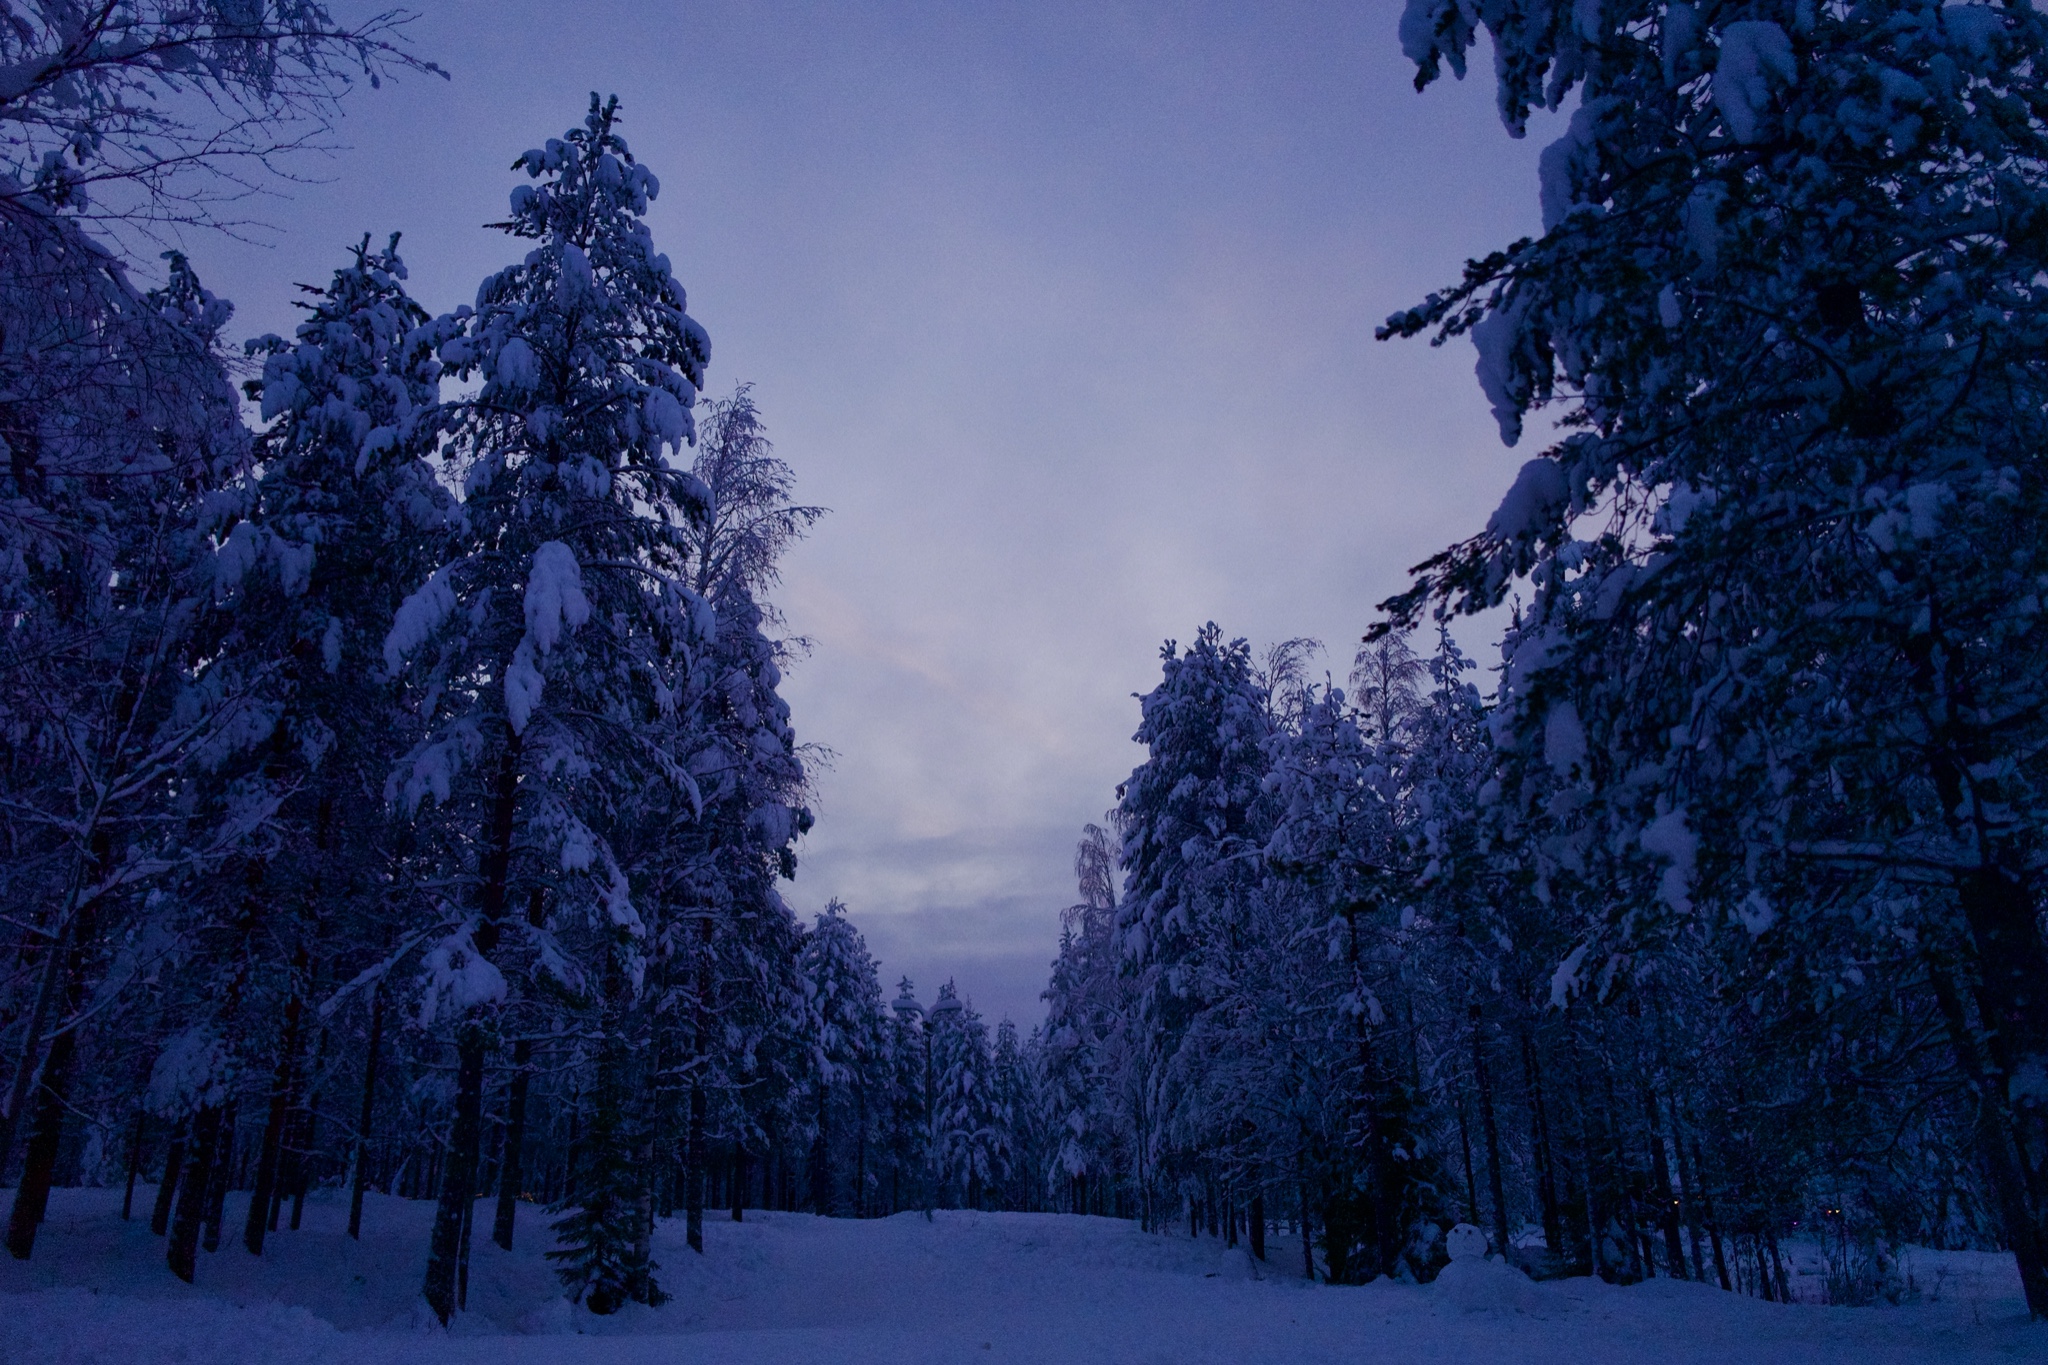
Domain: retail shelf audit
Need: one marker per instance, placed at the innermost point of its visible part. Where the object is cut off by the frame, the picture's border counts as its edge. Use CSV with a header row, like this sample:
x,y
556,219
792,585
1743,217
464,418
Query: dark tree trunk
x,y
300,1136
218,1178
134,1169
1714,1235
1465,1151
366,1114
1491,1131
458,1180
1308,1240
462,1263
182,1252
1688,1176
167,1184
48,1101
739,1184
693,1177
46,1129
283,1083
1539,1147
1660,1179
2012,1002
458,1184
1257,1226
511,1169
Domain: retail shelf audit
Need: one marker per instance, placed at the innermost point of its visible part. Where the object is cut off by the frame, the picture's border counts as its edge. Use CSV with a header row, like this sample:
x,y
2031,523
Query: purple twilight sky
x,y
1064,309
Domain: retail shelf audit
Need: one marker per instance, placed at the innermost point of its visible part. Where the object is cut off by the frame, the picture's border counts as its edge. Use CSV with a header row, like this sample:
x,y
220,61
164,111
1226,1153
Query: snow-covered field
x,y
967,1287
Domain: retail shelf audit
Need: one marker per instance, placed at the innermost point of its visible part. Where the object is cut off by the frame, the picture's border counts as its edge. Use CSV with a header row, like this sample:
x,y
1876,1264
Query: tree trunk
x,y
167,1184
642,1288
218,1177
458,1185
511,1170
462,1261
1491,1131
262,1211
182,1252
739,1184
2012,1002
458,1180
368,1112
693,1175
1660,1179
300,1134
1539,1147
134,1168
46,1128
1257,1226
57,971
1308,1241
1688,1176
48,1101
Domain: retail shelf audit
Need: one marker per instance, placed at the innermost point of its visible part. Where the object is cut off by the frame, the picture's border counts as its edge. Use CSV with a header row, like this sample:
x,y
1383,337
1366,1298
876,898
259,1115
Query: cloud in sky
x,y
1064,309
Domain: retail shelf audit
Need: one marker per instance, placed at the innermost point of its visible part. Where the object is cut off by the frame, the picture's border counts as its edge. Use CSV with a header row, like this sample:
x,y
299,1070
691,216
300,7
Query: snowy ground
x,y
792,1289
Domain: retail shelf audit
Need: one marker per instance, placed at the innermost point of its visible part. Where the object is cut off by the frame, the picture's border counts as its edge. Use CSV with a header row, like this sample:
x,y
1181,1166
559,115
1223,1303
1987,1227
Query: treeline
x,y
394,784
1313,976
1722,914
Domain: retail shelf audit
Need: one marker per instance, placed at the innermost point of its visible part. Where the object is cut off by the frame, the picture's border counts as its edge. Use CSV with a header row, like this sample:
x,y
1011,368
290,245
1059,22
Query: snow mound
x,y
1481,1285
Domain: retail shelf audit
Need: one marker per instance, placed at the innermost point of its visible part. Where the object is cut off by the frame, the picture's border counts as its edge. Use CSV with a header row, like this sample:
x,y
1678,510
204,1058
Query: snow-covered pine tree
x,y
1087,1134
602,1252
909,1078
120,432
1788,296
1192,826
841,1020
345,518
970,1147
1335,848
729,943
536,728
1017,1106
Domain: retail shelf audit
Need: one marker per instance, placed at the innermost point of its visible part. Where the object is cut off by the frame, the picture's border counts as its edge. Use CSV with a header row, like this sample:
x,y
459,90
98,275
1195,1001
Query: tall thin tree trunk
x,y
167,1184
1257,1226
134,1167
458,1178
1465,1150
262,1213
1539,1146
693,1190
511,1170
218,1178
182,1252
1688,1176
300,1135
739,1184
462,1268
1491,1130
2012,1002
1660,1178
32,1195
48,1101
367,1113
57,970
458,1187
1308,1240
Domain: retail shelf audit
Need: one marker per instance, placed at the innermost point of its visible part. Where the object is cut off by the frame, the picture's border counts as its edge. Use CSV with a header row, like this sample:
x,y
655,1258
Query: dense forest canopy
x,y
398,791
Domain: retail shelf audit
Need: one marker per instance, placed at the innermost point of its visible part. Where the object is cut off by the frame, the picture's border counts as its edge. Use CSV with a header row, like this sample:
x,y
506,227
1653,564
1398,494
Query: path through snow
x,y
790,1289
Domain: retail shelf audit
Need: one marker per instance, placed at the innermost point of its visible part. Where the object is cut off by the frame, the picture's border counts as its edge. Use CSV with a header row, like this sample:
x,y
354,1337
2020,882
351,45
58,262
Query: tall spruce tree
x,y
537,728
1788,300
